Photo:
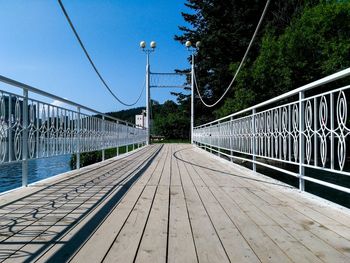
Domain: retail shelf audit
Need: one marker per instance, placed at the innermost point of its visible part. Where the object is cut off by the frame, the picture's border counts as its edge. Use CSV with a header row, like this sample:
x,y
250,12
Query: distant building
x,y
140,120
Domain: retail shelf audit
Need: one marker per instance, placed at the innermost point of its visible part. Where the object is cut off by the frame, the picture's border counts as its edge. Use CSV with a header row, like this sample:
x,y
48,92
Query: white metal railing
x,y
31,128
305,128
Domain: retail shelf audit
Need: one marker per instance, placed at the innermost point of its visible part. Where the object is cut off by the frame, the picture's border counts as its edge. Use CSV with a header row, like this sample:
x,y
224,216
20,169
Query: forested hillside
x,y
299,41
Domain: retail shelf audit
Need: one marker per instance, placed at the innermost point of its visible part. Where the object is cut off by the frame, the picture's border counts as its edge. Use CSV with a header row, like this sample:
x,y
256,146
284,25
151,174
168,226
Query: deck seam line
x,y
126,219
188,214
150,209
227,195
206,211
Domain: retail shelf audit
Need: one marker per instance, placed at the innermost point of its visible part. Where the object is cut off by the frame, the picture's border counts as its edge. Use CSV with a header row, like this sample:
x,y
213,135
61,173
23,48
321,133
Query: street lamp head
x,y
198,44
153,44
188,44
142,44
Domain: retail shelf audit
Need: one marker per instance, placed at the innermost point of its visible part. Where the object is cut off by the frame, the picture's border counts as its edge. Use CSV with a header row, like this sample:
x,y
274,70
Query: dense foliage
x,y
300,41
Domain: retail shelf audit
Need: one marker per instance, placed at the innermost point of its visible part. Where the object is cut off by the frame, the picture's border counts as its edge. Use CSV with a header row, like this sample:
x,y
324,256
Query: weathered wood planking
x,y
188,206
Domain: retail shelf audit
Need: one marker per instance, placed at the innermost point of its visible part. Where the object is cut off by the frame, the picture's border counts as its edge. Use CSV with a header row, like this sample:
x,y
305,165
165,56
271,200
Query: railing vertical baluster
x,y
48,146
301,141
331,97
57,132
289,133
37,129
253,137
315,134
25,139
103,132
280,146
127,138
78,139
231,138
10,145
118,138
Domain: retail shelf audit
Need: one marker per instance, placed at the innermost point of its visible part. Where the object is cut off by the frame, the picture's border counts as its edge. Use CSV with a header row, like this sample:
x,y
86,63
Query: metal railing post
x,y
231,139
10,121
253,142
331,98
103,132
25,139
301,141
78,139
127,138
118,141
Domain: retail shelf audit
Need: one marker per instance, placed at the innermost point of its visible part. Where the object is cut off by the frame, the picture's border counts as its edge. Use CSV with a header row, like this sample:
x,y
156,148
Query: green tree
x,y
225,28
314,45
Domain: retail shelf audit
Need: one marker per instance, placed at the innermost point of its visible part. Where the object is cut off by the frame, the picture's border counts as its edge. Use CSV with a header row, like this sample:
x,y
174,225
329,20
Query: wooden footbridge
x,y
169,203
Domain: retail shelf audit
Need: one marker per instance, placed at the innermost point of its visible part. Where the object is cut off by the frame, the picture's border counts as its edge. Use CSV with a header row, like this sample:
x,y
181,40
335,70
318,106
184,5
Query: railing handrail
x,y
338,75
55,97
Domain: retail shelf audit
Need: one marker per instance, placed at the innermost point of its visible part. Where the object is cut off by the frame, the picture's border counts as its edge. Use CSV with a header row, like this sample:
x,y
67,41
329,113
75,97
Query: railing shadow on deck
x,y
221,172
67,220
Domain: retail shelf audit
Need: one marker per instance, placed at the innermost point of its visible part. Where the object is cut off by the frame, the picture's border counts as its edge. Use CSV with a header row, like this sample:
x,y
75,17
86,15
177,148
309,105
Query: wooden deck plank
x,y
125,246
153,247
207,242
188,206
69,207
175,175
109,229
181,244
315,244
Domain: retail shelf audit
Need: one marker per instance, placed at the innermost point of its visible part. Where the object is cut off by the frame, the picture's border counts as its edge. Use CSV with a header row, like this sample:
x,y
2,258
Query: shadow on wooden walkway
x,y
174,203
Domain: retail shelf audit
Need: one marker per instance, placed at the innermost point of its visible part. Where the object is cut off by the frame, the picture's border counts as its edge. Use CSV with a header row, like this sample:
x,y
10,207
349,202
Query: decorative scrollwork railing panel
x,y
312,131
52,130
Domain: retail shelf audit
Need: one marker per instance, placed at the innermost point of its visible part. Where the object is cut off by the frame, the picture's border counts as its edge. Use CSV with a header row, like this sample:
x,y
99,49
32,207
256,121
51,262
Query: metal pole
x,y
253,142
148,120
78,139
25,139
118,140
103,132
301,141
192,97
127,138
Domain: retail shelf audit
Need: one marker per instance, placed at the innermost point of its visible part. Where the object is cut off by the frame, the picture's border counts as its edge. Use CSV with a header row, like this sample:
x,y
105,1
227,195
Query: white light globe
x,y
188,44
142,44
198,44
153,44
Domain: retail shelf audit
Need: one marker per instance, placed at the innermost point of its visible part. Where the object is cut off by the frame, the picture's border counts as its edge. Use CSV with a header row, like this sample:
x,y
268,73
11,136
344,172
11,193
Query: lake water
x,y
11,174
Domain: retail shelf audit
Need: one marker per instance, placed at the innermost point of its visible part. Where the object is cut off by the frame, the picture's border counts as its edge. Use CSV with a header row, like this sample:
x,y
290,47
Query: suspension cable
x,y
92,63
240,65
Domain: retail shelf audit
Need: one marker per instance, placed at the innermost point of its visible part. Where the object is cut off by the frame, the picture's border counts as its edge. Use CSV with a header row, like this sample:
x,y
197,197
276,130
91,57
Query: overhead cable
x,y
92,63
240,65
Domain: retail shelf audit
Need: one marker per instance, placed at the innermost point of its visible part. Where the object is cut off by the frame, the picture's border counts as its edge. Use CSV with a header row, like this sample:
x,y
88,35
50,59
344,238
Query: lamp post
x,y
148,73
193,52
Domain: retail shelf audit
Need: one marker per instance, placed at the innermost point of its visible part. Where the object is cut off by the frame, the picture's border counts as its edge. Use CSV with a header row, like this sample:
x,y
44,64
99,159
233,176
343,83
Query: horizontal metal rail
x,y
31,128
310,131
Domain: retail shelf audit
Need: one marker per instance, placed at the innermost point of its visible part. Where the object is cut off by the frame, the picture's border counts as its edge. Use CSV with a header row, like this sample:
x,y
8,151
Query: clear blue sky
x,y
37,46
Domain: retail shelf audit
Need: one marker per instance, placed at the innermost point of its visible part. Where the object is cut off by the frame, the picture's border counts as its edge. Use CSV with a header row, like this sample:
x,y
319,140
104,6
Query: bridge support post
x,y
103,132
148,117
192,97
253,142
301,141
78,138
25,139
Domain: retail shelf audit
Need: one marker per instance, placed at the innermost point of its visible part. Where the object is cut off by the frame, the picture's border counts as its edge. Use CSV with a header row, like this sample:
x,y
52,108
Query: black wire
x,y
90,60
